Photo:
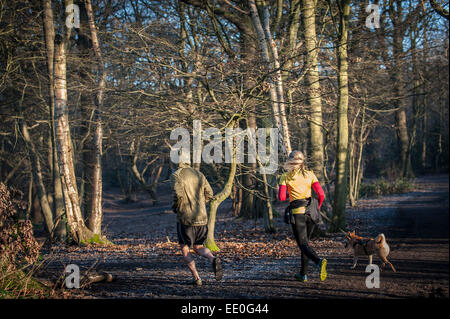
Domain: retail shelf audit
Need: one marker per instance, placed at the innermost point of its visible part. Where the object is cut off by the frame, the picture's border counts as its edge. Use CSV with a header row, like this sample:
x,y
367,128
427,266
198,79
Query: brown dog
x,y
368,247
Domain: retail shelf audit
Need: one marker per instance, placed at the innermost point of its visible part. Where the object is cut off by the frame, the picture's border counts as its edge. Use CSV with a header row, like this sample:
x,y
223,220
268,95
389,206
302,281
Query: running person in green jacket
x,y
191,192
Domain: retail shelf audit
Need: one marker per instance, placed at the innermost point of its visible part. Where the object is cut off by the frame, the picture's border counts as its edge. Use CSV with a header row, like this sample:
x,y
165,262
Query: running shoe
x,y
197,282
323,269
302,278
217,268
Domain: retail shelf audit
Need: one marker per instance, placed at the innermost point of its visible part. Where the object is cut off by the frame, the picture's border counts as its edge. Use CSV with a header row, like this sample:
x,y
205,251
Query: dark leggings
x,y
303,228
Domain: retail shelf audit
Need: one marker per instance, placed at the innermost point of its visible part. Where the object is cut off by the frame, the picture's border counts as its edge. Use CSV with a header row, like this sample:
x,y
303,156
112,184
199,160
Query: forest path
x,y
147,262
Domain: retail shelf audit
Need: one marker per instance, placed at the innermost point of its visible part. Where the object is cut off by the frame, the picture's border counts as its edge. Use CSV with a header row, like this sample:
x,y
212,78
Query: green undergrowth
x,y
383,187
18,284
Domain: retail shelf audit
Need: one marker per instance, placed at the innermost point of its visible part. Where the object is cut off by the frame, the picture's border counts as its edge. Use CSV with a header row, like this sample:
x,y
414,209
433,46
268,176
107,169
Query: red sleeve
x,y
282,193
316,186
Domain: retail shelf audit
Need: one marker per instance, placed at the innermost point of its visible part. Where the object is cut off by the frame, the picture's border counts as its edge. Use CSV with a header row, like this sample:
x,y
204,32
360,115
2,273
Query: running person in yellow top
x,y
298,182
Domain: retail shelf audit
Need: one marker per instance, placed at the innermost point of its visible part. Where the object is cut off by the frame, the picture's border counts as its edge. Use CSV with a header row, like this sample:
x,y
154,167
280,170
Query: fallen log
x,y
97,277
86,279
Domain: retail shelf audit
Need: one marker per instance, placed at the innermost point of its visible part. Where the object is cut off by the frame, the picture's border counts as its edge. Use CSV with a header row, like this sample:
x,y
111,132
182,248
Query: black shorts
x,y
191,235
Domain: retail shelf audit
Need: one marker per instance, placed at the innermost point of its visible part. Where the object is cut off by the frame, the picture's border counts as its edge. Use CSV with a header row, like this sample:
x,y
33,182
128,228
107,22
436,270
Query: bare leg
x,y
370,259
215,262
189,261
204,252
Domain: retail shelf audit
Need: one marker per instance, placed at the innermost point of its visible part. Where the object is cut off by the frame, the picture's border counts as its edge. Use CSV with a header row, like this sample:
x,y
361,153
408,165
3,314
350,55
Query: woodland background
x,y
89,107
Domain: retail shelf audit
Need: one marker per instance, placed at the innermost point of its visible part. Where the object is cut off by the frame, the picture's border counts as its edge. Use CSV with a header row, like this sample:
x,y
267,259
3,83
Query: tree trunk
x,y
351,164
278,79
269,226
149,188
397,79
86,160
289,52
248,54
219,198
38,179
424,136
355,156
79,232
440,133
36,211
341,181
237,200
49,32
96,210
264,45
416,99
313,87
30,198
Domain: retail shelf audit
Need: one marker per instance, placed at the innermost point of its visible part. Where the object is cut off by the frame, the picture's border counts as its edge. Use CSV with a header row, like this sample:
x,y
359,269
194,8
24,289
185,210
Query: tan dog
x,y
368,247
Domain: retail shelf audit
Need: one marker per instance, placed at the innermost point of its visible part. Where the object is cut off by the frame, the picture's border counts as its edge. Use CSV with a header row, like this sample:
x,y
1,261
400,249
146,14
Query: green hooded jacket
x,y
191,192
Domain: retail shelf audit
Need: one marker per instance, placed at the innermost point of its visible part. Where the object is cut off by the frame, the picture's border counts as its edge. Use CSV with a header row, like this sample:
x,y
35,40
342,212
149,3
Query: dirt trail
x,y
147,263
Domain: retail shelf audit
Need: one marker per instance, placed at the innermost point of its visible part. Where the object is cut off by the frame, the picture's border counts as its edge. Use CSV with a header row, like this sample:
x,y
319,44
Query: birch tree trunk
x,y
80,233
278,76
341,181
49,33
274,93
